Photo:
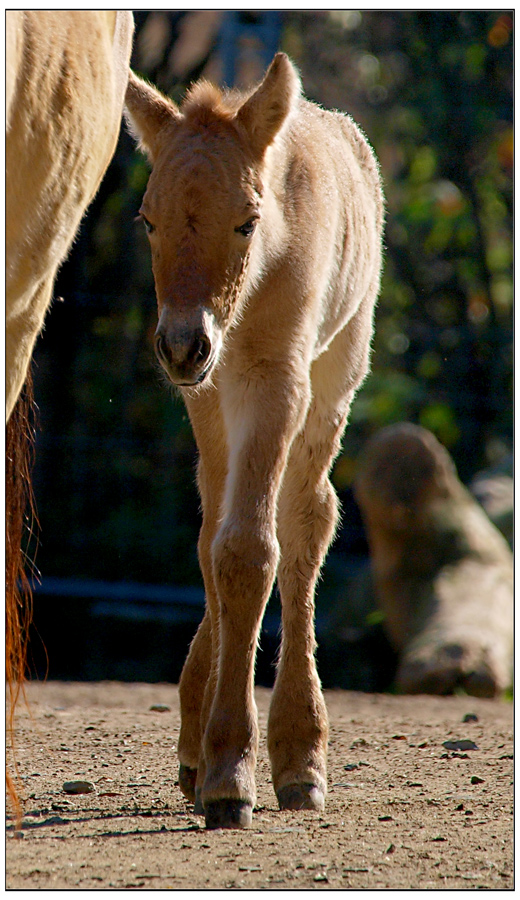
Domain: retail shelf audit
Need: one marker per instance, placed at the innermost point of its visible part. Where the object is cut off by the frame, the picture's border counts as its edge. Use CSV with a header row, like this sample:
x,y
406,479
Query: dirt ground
x,y
403,811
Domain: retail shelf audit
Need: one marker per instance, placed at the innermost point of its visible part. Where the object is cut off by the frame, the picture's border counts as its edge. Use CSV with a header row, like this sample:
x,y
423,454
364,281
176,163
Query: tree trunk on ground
x,y
443,572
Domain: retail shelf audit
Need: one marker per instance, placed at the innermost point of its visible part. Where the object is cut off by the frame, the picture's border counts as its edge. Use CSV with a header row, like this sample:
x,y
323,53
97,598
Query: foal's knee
x,y
328,505
244,560
308,521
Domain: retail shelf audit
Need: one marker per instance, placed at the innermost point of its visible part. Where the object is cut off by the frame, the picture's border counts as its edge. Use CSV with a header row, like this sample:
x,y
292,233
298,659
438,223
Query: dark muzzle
x,y
185,356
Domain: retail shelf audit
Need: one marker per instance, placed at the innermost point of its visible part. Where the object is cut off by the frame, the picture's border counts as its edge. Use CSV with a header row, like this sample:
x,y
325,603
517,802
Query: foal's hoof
x,y
187,779
198,809
301,796
228,814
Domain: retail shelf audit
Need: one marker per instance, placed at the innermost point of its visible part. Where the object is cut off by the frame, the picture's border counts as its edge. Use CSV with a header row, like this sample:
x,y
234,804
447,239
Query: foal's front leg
x,y
262,417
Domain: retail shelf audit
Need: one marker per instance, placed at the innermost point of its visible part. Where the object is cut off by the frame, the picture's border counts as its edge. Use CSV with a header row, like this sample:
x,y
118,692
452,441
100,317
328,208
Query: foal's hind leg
x,y
307,517
191,692
198,676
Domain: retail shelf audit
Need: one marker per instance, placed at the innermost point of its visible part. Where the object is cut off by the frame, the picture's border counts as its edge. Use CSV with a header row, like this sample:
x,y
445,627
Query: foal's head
x,y
203,207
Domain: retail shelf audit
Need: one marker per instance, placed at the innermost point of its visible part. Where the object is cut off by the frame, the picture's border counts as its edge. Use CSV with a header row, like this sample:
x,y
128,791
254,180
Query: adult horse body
x,y
66,76
265,217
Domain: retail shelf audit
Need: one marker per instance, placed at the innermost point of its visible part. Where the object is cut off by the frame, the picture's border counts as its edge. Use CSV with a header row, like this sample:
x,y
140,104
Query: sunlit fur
x,y
66,75
294,304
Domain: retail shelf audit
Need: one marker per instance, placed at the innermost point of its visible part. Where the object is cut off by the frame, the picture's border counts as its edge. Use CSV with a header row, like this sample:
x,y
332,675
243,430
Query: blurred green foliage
x,y
115,476
433,90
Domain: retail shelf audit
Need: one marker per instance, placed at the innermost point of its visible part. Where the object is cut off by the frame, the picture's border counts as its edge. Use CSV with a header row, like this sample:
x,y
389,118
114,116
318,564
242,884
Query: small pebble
x,y
454,756
470,717
160,707
460,745
78,787
359,742
476,780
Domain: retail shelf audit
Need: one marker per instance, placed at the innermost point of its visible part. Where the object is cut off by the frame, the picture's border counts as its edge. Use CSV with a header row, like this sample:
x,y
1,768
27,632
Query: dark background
x,y
121,593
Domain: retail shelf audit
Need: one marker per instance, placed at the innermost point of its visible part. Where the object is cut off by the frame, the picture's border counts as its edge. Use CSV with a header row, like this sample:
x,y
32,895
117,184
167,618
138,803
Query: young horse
x,y
265,216
66,75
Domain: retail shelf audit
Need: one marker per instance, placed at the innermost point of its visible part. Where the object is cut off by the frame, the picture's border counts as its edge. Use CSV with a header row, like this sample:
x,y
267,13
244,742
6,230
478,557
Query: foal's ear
x,y
276,98
147,112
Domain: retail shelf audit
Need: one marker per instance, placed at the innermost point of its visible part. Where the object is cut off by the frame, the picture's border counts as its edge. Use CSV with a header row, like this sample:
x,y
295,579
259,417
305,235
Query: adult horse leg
x,y
307,518
198,676
23,323
264,410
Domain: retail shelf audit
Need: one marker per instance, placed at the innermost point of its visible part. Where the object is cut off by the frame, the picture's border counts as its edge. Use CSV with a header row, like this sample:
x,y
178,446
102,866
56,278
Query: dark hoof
x,y
198,809
187,779
228,814
301,796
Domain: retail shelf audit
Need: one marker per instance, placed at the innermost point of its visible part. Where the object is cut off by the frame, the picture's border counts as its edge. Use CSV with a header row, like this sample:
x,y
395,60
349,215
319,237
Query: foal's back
x,y
326,183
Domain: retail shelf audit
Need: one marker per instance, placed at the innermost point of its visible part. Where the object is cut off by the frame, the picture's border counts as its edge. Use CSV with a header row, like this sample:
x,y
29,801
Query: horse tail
x,y
20,519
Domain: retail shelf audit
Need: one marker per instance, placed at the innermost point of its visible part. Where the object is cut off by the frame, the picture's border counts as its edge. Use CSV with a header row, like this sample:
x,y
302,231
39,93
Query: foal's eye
x,y
248,227
148,225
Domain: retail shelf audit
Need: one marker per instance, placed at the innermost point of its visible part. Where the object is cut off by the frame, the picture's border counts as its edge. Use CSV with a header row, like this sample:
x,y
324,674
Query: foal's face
x,y
201,211
202,207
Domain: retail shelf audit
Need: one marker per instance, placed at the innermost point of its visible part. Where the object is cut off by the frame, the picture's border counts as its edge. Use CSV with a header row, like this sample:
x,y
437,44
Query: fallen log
x,y
443,573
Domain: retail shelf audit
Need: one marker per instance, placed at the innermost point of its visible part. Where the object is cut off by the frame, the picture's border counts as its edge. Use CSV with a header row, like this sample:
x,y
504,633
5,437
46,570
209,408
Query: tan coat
x,y
66,75
265,218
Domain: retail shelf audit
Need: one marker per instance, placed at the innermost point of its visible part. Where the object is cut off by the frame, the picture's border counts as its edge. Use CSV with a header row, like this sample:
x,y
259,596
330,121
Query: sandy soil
x,y
403,811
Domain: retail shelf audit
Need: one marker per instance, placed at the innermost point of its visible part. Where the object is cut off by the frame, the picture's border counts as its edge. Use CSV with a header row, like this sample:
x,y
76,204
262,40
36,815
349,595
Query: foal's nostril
x,y
161,348
186,356
200,350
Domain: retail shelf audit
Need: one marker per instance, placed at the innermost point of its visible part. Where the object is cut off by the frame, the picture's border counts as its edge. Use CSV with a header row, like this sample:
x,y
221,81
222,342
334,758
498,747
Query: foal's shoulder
x,y
330,140
330,130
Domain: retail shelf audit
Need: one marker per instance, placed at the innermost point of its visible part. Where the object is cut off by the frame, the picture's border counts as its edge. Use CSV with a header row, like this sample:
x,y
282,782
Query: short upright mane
x,y
205,102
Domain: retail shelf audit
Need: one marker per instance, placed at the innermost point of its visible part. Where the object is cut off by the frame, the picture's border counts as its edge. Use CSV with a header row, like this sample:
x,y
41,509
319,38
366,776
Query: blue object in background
x,y
263,26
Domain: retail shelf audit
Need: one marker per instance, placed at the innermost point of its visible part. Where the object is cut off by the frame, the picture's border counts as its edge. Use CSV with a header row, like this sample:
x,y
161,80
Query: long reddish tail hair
x,y
20,522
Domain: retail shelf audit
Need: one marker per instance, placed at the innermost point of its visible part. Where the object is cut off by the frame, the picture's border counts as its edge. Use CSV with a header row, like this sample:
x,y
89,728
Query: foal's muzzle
x,y
187,354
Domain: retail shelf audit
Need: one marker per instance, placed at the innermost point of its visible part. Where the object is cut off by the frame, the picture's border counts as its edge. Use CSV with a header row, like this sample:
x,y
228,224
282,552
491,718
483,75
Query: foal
x,y
265,216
